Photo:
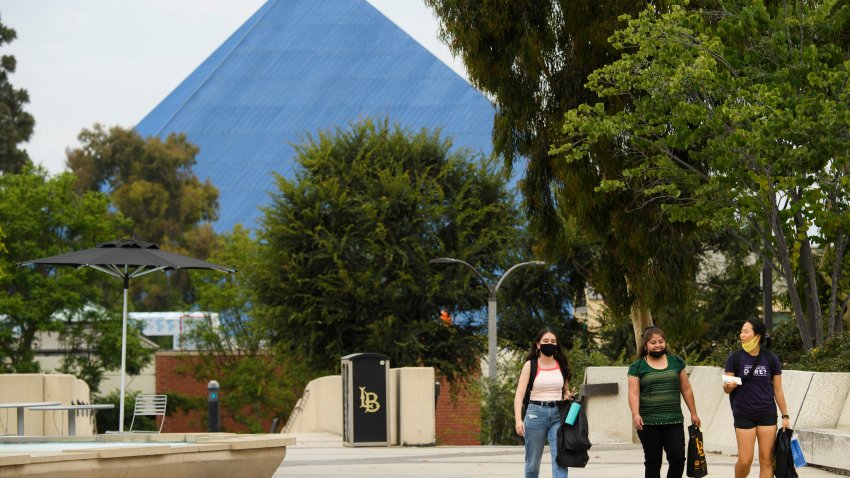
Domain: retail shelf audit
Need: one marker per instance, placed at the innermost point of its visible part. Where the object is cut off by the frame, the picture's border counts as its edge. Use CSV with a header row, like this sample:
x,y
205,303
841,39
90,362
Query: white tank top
x,y
548,385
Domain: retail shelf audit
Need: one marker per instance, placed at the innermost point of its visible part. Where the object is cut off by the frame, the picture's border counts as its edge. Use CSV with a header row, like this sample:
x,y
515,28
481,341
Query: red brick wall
x,y
458,418
173,375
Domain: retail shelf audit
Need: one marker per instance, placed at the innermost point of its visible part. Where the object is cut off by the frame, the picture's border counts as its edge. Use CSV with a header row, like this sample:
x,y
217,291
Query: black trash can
x,y
365,418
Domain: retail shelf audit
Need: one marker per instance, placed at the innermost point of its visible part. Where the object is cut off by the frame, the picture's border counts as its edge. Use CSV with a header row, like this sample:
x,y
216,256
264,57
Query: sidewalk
x,y
316,454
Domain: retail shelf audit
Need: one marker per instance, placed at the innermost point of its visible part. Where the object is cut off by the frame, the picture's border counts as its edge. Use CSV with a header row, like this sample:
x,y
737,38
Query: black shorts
x,y
746,422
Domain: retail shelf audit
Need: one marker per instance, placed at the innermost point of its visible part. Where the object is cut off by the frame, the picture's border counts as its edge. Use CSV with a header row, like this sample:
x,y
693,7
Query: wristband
x,y
785,416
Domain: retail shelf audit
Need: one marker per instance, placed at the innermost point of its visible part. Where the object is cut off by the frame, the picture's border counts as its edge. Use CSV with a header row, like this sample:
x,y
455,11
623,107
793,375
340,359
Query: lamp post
x,y
491,304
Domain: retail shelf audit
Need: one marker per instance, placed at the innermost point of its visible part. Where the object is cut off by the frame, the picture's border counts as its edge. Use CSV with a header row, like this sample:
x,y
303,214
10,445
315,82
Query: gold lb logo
x,y
369,401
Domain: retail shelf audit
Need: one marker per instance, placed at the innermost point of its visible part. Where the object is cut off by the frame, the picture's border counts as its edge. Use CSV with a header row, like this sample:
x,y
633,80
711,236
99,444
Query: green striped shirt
x,y
659,391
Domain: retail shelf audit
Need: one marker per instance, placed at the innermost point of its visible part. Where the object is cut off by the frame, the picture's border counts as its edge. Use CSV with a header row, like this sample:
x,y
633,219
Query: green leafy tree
x,y
151,182
533,58
2,251
16,125
91,339
728,293
235,349
347,243
498,426
740,115
725,301
45,217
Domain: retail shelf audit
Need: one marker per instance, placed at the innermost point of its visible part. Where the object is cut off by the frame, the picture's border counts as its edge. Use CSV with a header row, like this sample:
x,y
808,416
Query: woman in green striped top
x,y
656,379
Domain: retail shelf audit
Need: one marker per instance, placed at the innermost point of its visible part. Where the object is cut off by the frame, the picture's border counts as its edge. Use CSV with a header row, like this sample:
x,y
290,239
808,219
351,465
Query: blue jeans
x,y
541,423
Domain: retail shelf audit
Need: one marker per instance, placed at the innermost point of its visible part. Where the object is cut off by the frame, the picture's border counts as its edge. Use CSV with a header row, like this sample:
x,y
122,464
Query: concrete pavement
x,y
317,454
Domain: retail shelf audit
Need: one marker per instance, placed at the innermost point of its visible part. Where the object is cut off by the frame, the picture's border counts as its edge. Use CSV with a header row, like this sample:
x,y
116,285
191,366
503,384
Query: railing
x,y
296,410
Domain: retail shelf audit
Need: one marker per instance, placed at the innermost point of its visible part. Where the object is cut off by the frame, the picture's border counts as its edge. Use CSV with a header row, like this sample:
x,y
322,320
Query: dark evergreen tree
x,y
349,239
16,125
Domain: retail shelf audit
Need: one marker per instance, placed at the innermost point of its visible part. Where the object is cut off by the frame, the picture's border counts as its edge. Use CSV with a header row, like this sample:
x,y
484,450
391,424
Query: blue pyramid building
x,y
300,66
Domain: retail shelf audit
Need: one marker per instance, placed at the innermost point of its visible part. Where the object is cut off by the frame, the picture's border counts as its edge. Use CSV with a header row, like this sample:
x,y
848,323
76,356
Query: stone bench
x,y
826,447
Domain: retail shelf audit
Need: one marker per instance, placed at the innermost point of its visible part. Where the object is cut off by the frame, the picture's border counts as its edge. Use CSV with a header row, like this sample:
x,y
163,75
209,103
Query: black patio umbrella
x,y
126,259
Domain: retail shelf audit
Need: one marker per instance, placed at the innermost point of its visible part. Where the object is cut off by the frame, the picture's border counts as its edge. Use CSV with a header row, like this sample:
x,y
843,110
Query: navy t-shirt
x,y
755,397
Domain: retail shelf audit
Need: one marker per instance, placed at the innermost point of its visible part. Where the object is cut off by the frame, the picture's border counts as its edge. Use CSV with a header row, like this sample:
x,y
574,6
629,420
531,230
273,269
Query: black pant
x,y
671,439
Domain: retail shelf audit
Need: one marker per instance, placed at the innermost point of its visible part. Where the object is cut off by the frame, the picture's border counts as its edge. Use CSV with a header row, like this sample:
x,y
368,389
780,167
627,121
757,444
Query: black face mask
x,y
548,349
658,354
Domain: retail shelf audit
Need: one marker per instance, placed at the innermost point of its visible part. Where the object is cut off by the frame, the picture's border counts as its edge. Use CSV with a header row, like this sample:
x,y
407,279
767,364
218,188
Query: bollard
x,y
213,399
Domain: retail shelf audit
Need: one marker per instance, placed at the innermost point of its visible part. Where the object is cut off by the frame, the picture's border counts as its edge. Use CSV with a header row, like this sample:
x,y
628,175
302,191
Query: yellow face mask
x,y
751,344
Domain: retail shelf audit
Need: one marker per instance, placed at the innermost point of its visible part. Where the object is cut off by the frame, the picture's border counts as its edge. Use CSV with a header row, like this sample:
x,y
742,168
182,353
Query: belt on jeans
x,y
550,403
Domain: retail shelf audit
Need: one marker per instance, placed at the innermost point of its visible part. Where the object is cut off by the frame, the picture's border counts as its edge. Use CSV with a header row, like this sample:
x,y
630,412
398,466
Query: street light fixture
x,y
491,304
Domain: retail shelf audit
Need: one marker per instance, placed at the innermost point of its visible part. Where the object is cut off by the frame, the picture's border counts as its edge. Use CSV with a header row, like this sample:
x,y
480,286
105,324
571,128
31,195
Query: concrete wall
x,y
145,382
713,409
66,389
825,401
844,419
827,448
825,410
415,422
393,405
608,416
411,407
39,387
824,435
321,407
817,401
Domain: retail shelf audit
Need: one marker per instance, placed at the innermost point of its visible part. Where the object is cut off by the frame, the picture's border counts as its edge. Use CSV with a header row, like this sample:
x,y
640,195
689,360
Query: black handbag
x,y
697,466
783,461
573,441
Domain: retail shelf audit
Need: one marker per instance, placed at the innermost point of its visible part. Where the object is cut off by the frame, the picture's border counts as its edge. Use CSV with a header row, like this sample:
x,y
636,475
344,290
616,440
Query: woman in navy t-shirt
x,y
754,402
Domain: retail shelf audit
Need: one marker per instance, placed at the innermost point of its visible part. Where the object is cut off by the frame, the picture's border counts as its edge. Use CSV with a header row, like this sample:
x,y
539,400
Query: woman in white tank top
x,y
549,391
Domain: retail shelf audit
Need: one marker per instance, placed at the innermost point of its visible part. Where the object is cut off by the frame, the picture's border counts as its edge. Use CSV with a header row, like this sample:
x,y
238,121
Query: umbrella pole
x,y
123,354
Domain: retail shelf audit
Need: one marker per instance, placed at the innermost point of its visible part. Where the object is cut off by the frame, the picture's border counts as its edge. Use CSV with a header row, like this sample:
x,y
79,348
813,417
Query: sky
x,y
112,61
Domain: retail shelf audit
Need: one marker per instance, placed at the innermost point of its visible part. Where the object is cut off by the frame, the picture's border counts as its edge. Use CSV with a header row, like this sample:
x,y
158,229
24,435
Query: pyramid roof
x,y
300,66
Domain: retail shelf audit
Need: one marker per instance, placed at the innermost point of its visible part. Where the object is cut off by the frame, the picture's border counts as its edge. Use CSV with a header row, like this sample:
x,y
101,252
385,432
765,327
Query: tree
x,y
347,243
2,251
151,182
16,125
45,217
91,339
740,115
532,58
259,382
728,293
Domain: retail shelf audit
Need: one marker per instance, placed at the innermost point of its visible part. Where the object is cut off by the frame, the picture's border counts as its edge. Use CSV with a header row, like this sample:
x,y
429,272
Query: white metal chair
x,y
149,405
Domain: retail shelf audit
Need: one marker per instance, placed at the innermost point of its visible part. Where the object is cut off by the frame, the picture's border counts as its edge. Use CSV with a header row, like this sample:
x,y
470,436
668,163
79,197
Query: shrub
x,y
832,356
787,343
107,420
